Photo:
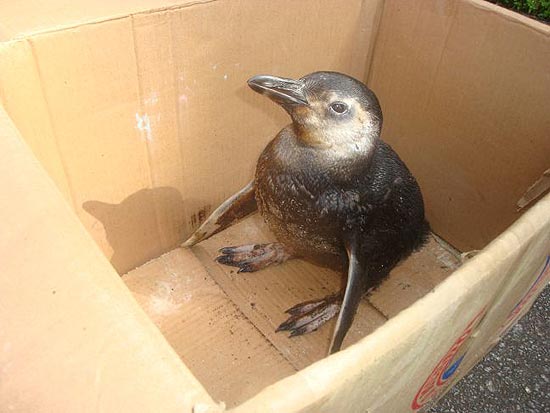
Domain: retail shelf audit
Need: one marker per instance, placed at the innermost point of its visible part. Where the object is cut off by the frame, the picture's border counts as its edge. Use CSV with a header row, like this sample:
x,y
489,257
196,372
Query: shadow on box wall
x,y
133,227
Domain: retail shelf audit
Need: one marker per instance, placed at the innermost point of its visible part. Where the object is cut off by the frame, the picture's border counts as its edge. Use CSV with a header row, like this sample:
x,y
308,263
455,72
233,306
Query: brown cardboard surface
x,y
413,278
464,88
222,348
222,324
72,337
137,93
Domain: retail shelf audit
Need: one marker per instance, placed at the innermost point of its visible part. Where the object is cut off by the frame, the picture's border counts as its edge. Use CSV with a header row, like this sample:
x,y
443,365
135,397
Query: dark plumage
x,y
331,191
313,208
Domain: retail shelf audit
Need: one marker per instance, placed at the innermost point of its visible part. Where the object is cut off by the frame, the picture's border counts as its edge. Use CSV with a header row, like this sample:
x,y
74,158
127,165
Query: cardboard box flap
x,y
73,338
26,18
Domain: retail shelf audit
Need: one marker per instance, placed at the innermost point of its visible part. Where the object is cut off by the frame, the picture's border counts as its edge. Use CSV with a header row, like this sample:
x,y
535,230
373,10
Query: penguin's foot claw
x,y
253,257
310,315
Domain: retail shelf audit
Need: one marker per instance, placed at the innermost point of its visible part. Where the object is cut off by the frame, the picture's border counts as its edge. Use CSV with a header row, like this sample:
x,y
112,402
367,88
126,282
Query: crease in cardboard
x,y
31,89
143,124
143,121
68,181
378,310
181,103
181,100
160,100
373,33
435,76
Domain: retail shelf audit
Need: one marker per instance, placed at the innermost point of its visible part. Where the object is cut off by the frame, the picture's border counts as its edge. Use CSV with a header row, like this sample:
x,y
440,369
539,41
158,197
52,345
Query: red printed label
x,y
539,282
446,367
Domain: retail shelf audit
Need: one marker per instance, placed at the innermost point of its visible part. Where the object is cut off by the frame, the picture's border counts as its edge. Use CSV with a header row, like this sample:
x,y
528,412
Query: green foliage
x,y
536,8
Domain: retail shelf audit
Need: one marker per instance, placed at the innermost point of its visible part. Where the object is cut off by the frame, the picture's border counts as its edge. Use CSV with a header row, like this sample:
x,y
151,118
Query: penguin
x,y
331,190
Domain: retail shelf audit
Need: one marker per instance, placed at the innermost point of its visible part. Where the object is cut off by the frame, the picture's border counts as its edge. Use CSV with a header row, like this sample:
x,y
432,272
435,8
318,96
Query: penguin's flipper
x,y
355,288
238,206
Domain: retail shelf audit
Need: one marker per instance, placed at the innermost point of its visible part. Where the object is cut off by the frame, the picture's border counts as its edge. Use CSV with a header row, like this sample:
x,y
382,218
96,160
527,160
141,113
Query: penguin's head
x,y
329,110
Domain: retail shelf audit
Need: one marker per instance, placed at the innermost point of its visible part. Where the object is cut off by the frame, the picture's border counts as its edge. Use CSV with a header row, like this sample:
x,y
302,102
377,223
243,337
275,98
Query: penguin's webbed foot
x,y
254,257
310,315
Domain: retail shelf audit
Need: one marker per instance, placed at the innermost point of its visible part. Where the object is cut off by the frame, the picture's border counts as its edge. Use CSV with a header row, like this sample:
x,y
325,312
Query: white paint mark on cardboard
x,y
162,306
152,100
143,124
162,302
225,76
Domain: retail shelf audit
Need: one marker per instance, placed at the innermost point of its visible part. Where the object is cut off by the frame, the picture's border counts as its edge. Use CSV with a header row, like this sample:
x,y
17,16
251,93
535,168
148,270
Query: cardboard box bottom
x,y
222,324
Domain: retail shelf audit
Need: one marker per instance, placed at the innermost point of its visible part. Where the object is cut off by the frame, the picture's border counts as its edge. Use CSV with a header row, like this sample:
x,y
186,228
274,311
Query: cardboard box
x,y
123,125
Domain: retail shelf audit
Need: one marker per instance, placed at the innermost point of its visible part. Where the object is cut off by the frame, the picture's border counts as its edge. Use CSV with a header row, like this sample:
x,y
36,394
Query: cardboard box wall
x,y
98,96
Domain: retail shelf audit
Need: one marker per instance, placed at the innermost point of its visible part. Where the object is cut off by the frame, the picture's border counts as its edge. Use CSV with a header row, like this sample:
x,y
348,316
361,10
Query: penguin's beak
x,y
279,89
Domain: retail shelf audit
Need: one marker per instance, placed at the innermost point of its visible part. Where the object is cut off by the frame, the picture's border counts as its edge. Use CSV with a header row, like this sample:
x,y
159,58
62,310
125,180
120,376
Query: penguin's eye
x,y
339,107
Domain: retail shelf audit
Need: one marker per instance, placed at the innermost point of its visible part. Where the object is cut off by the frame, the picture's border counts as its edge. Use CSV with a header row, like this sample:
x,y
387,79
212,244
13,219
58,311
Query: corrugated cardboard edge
x,y
315,388
145,9
510,15
77,22
72,337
